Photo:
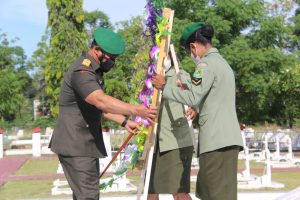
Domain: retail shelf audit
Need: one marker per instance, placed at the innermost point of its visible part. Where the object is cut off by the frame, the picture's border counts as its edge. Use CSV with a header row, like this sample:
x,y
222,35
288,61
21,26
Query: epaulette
x,y
86,62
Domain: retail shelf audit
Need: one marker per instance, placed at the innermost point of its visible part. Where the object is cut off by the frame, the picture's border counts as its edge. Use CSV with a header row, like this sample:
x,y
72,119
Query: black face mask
x,y
107,65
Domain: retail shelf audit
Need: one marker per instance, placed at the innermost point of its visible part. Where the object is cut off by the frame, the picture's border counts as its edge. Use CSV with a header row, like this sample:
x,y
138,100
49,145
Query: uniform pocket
x,y
180,127
202,119
180,122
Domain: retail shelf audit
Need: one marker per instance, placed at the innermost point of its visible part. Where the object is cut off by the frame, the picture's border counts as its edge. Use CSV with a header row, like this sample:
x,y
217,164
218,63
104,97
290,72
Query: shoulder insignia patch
x,y
86,62
196,81
198,73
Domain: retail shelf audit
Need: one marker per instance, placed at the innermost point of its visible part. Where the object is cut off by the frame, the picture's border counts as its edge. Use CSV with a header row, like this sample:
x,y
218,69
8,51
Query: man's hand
x,y
191,113
147,112
158,81
132,127
183,86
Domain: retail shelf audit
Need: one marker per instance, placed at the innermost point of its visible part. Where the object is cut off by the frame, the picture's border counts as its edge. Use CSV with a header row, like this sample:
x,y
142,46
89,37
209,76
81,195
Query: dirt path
x,y
8,165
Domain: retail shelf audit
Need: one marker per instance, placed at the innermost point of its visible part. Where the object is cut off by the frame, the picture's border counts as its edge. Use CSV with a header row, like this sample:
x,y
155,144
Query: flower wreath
x,y
155,28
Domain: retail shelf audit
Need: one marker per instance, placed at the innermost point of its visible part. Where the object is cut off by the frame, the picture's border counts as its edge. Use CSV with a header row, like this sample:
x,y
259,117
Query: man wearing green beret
x,y
77,138
212,89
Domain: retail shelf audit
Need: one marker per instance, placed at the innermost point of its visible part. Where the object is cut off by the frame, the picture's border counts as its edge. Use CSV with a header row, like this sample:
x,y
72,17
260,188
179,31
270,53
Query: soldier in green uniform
x,y
212,89
171,165
77,138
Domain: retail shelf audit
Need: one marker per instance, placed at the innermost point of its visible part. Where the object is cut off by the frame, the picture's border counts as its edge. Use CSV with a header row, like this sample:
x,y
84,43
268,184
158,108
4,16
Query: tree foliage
x,y
14,79
67,41
259,42
296,21
96,18
126,79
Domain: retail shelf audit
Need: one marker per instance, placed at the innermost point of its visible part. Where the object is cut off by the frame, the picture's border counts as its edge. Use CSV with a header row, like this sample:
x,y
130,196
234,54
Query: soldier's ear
x,y
97,51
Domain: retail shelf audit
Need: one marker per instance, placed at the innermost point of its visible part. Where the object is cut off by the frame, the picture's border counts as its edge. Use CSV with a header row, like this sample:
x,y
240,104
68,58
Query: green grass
x,y
22,189
38,167
14,190
290,179
30,188
253,164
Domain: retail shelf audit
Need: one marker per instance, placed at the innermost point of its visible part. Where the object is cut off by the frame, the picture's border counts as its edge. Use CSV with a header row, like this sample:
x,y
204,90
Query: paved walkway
x,y
8,165
241,196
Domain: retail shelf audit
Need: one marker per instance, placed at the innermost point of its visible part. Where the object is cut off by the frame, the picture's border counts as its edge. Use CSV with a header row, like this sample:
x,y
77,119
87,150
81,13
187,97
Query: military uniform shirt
x,y
78,128
212,90
173,128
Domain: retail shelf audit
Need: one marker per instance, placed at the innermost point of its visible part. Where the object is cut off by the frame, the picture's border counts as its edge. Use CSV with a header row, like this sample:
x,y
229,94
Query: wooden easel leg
x,y
146,172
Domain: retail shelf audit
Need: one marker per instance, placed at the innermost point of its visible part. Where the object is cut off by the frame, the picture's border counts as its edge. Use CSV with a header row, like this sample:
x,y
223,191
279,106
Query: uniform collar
x,y
210,51
94,64
171,72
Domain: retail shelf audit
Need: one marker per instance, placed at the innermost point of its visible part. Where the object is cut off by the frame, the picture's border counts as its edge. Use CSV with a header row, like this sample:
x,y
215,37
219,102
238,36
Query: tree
x,y
296,20
119,81
257,39
126,79
12,57
95,19
13,78
39,63
40,57
288,89
67,41
286,108
10,95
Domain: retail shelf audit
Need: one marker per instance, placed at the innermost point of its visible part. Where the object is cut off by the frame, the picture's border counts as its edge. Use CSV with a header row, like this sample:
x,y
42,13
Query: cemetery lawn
x,y
290,178
22,189
38,167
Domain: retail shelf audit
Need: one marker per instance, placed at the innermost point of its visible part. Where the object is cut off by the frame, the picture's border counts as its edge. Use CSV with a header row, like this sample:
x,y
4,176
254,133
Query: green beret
x,y
189,30
109,41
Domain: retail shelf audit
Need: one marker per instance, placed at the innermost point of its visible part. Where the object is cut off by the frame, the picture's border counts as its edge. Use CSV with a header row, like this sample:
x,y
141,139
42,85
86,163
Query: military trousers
x,y
82,174
217,177
171,171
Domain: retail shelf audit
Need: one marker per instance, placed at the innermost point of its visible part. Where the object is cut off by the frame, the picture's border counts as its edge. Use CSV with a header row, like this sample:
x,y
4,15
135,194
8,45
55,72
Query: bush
x,y
22,122
4,124
109,124
44,122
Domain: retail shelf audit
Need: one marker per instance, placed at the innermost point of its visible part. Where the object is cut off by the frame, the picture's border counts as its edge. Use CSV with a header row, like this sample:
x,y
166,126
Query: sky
x,y
27,19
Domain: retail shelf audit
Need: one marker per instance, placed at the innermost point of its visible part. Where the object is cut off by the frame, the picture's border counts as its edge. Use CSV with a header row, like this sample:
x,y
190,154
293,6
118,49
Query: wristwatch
x,y
125,121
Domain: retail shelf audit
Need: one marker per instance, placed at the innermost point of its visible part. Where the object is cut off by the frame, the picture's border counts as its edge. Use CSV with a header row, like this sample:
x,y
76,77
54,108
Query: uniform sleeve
x,y
187,78
84,82
199,86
